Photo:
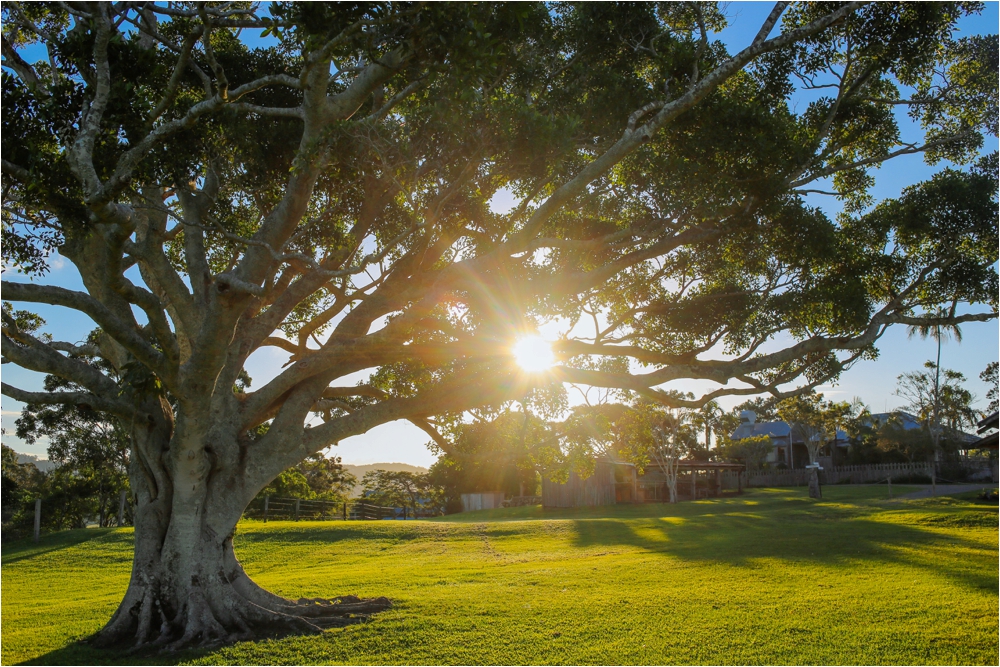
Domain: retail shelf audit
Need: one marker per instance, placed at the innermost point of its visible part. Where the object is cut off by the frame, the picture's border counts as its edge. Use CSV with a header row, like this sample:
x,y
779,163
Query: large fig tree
x,y
334,193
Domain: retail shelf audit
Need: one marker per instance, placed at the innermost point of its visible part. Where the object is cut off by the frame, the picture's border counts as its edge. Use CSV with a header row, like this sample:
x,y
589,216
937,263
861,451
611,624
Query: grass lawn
x,y
768,577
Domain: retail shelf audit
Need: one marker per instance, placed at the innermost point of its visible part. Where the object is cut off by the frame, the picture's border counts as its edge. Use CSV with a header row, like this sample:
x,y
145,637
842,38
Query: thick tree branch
x,y
86,399
120,331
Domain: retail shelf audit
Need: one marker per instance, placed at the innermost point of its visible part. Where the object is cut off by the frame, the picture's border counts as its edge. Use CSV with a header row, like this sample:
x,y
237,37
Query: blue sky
x,y
872,381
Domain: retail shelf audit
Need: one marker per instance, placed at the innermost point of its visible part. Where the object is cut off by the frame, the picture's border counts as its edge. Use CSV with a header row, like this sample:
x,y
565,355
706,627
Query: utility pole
x,y
38,518
121,508
936,432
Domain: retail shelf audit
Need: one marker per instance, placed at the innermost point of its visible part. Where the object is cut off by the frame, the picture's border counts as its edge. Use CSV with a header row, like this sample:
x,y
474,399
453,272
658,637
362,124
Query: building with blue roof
x,y
789,448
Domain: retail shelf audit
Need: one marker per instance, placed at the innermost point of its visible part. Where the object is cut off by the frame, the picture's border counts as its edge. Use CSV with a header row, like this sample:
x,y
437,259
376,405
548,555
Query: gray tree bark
x,y
815,491
187,586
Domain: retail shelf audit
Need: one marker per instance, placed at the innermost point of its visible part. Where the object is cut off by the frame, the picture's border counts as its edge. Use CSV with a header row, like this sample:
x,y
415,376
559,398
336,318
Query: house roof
x,y
909,421
986,442
772,429
986,423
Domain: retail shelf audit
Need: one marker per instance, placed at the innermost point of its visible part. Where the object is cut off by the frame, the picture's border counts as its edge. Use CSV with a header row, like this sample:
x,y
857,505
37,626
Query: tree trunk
x,y
813,450
670,471
187,587
815,491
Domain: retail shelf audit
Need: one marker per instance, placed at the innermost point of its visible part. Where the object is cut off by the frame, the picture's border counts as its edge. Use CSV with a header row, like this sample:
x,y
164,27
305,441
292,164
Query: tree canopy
x,y
815,420
946,398
333,194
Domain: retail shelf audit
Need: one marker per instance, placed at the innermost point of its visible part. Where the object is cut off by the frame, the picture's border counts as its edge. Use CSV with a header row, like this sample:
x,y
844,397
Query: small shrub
x,y
988,496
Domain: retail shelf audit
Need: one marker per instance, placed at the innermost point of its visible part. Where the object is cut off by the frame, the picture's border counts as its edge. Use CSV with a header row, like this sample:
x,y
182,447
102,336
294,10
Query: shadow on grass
x,y
832,534
277,533
22,549
841,533
79,653
82,653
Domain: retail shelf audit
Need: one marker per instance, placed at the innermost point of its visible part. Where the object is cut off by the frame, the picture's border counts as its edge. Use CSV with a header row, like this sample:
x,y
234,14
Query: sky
x,y
874,382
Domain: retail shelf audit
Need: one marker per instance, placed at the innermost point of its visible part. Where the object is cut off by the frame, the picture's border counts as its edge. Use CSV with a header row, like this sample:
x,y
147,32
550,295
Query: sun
x,y
534,354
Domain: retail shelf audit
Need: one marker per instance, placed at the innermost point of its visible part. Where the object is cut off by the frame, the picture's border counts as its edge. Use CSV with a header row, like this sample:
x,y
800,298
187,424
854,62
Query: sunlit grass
x,y
769,577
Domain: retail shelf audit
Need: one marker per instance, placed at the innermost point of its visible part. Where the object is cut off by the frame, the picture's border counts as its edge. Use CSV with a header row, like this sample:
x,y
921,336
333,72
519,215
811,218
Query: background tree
x,y
765,407
624,432
938,332
989,376
709,418
503,454
15,477
317,478
752,451
20,485
327,478
940,401
814,420
331,196
401,489
91,451
863,431
893,438
668,449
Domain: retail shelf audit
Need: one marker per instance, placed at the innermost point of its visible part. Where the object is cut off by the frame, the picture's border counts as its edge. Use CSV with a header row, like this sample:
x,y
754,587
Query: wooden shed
x,y
612,482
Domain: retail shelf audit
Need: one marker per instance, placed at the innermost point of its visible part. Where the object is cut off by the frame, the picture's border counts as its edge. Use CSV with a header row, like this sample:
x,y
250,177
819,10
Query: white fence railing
x,y
862,474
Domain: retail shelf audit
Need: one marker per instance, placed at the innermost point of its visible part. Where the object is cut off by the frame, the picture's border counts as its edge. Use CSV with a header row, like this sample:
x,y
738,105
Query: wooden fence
x,y
322,510
867,474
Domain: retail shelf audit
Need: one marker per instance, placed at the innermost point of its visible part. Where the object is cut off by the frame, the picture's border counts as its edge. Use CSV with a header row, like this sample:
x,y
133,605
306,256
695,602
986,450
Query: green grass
x,y
769,577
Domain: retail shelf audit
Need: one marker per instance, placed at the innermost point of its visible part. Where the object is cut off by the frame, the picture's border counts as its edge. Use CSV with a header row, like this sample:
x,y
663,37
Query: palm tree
x,y
932,327
707,417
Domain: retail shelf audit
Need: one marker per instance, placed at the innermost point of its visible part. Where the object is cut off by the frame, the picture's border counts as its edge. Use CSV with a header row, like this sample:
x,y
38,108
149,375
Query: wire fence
x,y
33,516
41,516
297,509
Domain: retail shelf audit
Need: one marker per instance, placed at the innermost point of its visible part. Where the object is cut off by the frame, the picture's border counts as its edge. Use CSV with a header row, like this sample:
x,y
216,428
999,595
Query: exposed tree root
x,y
219,615
218,604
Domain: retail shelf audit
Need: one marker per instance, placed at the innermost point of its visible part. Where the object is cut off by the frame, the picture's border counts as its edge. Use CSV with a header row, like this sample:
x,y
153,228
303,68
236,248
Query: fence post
x,y
404,512
265,508
38,518
297,500
121,509
345,510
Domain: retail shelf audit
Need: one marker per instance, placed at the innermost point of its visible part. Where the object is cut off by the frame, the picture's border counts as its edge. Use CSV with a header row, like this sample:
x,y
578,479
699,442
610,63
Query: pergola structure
x,y
615,481
714,467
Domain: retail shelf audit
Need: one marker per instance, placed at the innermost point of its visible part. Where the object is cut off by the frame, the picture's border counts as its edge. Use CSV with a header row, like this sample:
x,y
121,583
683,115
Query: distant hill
x,y
359,471
43,465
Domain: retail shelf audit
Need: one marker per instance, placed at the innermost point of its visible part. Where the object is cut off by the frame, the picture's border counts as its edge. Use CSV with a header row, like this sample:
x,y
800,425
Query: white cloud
x,y
57,262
